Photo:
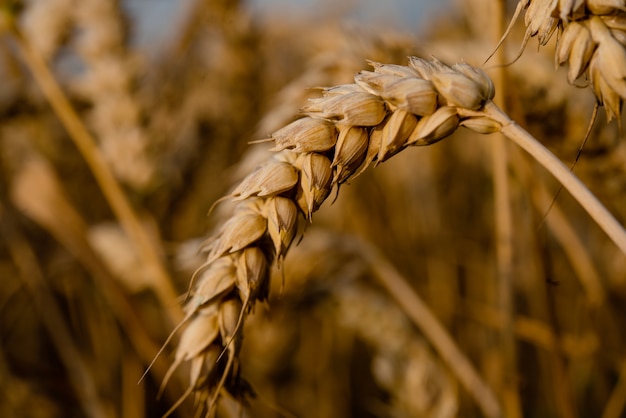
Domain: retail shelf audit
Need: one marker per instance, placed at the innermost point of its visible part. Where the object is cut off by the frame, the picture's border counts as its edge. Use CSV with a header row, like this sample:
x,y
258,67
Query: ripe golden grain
x,y
350,152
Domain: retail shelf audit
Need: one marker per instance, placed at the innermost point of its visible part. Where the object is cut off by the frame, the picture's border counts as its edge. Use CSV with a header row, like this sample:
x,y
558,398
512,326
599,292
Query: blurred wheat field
x,y
99,240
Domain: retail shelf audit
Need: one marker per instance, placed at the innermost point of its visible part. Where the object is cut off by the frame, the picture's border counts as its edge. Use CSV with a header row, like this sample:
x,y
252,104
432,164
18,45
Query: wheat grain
x,y
350,152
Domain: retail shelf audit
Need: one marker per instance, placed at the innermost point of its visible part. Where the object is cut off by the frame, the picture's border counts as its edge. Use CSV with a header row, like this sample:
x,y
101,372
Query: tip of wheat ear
x,y
339,135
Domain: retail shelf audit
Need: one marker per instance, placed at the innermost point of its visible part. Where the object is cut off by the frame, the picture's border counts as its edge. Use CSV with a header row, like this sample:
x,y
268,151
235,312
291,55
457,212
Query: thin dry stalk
x,y
420,314
566,235
50,208
605,220
133,402
616,405
50,313
538,333
564,398
504,232
108,184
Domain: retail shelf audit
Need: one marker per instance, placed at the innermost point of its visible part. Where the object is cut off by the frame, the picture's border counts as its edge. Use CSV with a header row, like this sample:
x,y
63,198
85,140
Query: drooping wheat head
x,y
341,133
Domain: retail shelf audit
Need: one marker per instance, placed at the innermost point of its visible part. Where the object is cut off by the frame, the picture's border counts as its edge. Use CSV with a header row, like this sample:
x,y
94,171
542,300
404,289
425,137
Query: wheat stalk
x,y
346,285
562,173
51,314
402,364
341,133
86,144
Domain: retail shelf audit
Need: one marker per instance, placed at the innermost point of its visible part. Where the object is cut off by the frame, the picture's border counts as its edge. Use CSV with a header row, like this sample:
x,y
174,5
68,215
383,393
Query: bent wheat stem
x,y
605,220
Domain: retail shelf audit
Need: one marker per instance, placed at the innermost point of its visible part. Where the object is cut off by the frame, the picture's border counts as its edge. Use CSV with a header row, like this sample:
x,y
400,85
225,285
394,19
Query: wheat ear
x,y
340,134
591,41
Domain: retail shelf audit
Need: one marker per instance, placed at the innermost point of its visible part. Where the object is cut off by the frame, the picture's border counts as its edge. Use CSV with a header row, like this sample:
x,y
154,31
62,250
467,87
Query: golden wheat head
x,y
339,135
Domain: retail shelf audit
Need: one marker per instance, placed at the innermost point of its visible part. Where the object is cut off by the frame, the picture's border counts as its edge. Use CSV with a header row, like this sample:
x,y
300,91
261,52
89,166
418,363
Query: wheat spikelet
x,y
344,131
